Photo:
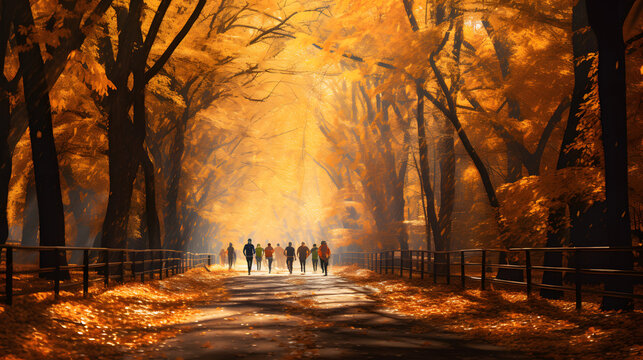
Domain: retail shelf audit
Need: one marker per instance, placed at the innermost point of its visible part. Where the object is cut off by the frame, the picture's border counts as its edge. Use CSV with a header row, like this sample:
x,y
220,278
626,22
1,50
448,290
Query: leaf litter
x,y
123,319
539,327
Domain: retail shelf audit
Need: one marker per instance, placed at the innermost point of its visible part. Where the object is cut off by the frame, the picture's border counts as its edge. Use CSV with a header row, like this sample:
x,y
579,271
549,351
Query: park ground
x,y
353,313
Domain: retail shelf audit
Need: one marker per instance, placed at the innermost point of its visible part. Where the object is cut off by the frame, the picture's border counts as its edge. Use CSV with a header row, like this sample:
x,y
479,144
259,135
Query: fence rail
x,y
99,265
474,265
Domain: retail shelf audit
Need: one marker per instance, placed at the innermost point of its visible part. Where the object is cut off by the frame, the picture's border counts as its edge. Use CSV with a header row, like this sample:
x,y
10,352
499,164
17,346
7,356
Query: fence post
x,y
579,298
462,270
209,260
122,266
152,258
106,256
57,275
151,266
132,267
422,264
8,276
411,263
483,273
528,272
160,265
85,272
386,262
143,266
165,263
448,269
401,263
435,268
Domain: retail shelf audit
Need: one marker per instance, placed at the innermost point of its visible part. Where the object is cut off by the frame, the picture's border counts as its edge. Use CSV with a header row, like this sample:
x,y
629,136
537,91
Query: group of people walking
x,y
281,256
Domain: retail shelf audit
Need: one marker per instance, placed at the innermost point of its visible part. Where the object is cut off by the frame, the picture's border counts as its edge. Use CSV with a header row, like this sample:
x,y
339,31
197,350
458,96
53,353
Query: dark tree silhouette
x,y
606,19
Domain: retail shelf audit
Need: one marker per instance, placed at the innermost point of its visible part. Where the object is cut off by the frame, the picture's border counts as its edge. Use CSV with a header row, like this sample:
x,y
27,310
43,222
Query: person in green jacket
x,y
259,255
314,255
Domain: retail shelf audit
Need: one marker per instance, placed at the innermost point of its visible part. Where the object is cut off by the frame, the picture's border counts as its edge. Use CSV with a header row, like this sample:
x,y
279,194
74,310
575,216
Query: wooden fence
x,y
475,265
99,265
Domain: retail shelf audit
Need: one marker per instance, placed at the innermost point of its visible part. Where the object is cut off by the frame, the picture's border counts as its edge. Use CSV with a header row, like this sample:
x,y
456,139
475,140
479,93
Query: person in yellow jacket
x,y
324,257
259,256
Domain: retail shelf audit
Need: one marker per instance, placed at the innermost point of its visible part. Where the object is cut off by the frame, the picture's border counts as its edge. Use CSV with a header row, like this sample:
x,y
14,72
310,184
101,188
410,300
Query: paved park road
x,y
311,316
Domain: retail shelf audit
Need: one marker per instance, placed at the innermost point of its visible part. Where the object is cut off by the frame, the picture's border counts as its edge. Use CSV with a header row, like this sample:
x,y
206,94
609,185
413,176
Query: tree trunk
x,y
5,164
123,149
172,220
50,206
6,151
123,165
446,154
425,170
606,20
151,213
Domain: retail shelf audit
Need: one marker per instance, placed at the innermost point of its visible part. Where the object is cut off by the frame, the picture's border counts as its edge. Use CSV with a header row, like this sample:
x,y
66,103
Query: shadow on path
x,y
312,316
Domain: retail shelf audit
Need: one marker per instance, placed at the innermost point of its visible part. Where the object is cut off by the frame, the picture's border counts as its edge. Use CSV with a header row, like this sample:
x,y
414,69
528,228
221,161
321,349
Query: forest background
x,y
385,124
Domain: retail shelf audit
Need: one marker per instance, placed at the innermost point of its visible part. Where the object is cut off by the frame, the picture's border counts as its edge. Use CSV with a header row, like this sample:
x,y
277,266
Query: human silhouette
x,y
324,257
289,252
259,256
279,257
231,256
314,256
249,252
222,255
268,251
302,253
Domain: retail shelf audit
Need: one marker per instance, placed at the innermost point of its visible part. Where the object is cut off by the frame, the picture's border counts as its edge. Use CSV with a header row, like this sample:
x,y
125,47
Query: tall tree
x,y
606,20
50,206
126,136
7,89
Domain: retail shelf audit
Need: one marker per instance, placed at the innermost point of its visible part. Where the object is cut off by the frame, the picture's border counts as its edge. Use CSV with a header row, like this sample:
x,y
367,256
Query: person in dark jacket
x,y
249,252
289,252
231,256
302,253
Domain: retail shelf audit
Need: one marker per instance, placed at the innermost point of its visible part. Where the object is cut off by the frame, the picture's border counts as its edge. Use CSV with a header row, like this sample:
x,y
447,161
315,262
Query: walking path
x,y
311,316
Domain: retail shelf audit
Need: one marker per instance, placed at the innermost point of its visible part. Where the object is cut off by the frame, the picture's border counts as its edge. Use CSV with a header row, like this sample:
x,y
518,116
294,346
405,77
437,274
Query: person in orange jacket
x,y
324,256
268,251
222,256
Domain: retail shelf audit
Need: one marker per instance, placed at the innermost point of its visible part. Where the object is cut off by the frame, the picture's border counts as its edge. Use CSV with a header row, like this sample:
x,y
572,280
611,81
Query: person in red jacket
x,y
324,256
268,252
